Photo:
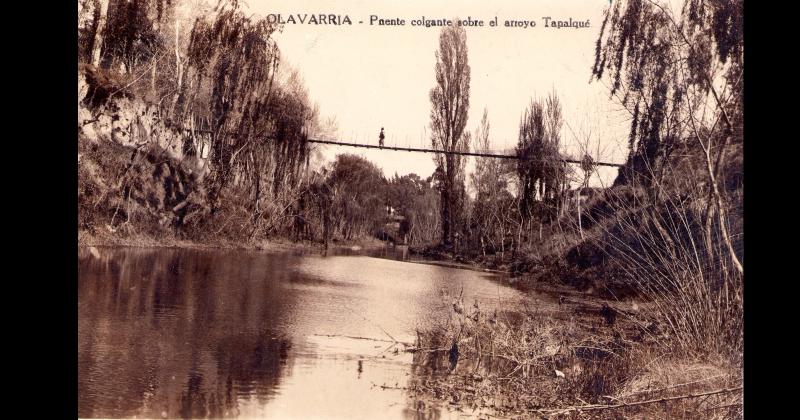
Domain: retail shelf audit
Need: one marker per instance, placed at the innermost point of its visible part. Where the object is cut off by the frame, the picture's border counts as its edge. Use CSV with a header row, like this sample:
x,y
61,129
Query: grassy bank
x,y
568,357
647,321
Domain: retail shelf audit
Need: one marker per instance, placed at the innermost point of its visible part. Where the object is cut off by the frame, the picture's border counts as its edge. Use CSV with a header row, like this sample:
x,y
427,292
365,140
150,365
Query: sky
x,y
368,77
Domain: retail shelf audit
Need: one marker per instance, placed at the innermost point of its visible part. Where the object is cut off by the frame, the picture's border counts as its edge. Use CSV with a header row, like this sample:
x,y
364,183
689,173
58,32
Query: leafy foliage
x,y
225,81
542,172
449,111
669,72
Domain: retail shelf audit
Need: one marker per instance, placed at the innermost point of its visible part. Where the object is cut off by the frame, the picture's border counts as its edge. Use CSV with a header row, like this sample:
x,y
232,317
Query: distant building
x,y
393,230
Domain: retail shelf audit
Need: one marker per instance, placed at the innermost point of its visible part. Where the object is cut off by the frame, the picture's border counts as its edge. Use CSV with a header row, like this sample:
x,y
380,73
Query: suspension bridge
x,y
424,150
448,152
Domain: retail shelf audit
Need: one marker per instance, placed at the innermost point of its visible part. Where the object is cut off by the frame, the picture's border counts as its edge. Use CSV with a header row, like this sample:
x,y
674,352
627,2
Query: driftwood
x,y
363,338
384,387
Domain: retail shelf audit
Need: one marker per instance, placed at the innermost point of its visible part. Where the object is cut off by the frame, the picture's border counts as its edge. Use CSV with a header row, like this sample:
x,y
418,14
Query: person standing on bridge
x,y
380,138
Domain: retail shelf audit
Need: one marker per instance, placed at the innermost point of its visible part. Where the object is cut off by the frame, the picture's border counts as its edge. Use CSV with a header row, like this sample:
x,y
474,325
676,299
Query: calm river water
x,y
177,333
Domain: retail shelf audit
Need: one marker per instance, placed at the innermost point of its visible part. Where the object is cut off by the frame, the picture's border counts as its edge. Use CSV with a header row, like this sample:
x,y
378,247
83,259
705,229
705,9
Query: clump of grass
x,y
674,256
515,360
558,360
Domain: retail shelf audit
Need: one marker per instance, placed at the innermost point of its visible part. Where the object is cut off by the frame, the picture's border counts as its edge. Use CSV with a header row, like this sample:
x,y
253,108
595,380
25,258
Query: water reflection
x,y
193,333
395,252
162,333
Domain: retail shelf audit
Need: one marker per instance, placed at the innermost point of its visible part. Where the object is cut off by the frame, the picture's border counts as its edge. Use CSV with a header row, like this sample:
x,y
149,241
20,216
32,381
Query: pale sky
x,y
369,77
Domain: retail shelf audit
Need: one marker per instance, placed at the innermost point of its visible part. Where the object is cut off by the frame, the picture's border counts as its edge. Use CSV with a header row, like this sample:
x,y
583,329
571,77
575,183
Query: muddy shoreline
x,y
363,245
276,244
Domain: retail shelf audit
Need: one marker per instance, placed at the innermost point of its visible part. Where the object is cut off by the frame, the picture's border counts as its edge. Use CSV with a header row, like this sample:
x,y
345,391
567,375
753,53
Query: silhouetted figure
x,y
380,138
453,356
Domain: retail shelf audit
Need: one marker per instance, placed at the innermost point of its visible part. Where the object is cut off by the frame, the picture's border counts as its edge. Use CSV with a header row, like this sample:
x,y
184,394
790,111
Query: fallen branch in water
x,y
413,349
373,323
390,387
365,338
632,404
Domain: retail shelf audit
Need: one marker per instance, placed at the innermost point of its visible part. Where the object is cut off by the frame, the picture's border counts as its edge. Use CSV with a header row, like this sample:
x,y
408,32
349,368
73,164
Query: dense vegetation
x,y
191,128
668,233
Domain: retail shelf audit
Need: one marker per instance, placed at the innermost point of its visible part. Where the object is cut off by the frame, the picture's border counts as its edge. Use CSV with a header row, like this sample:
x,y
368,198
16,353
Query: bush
x,y
680,265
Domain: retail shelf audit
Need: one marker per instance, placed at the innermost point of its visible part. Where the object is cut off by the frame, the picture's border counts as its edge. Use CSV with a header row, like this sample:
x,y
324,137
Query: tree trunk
x,y
153,79
92,32
580,224
446,216
98,41
721,214
178,69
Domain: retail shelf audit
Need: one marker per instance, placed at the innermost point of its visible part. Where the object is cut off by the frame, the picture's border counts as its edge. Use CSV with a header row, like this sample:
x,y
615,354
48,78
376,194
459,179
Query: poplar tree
x,y
449,108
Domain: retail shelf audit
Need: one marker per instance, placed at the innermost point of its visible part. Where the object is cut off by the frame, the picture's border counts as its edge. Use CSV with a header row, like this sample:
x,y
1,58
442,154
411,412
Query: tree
x,y
680,76
418,201
89,15
358,201
489,186
232,62
541,168
449,108
130,34
587,136
213,73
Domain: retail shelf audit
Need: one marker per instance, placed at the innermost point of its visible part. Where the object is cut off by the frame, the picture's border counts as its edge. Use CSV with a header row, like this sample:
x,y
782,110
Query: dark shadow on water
x,y
184,333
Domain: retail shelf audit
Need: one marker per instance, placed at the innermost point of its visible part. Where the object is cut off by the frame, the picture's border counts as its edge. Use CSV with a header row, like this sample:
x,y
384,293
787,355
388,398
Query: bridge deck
x,y
417,149
422,150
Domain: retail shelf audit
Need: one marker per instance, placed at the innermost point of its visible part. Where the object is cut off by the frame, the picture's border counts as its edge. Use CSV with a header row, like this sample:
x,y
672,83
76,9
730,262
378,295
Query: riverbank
x,y
602,350
493,264
273,244
537,270
568,355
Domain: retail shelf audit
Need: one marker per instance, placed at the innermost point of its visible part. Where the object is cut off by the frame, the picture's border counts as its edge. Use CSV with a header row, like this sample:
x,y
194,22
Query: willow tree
x,y
415,199
130,35
258,128
449,108
541,168
358,201
680,75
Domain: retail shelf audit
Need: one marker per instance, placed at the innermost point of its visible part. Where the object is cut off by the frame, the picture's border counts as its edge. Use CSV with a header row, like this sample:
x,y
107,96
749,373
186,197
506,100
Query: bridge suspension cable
x,y
423,150
476,154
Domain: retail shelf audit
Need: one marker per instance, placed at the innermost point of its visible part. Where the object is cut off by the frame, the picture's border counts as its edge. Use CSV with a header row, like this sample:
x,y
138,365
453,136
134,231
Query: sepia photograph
x,y
461,209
